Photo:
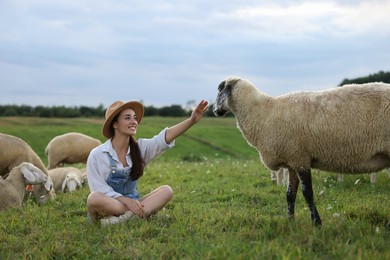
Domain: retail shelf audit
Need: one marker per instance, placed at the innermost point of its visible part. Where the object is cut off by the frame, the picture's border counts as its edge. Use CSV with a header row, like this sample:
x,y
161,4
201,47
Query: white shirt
x,y
98,164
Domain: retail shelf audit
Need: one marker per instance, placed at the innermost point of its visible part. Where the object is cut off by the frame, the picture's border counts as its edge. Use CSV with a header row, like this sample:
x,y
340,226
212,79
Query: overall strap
x,y
112,163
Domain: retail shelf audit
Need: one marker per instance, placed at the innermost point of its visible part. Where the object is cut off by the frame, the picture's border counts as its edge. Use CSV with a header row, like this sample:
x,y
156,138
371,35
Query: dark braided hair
x,y
137,170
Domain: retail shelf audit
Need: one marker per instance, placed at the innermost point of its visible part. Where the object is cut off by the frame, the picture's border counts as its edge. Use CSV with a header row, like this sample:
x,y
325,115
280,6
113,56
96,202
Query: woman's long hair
x,y
137,170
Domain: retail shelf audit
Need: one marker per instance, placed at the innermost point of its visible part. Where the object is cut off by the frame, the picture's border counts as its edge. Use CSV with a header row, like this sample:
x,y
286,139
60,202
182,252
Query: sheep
x,y
373,176
280,176
83,176
69,148
66,179
342,130
13,189
13,152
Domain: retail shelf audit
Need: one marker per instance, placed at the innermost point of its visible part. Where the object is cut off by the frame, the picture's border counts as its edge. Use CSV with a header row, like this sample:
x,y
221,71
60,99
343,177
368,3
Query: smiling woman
x,y
114,168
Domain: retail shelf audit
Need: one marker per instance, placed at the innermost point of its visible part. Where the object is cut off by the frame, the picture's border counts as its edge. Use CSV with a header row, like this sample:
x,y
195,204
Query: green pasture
x,y
211,138
224,207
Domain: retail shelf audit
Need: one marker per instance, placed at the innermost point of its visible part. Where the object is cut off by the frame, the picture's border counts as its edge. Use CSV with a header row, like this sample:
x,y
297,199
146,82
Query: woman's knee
x,y
167,191
93,199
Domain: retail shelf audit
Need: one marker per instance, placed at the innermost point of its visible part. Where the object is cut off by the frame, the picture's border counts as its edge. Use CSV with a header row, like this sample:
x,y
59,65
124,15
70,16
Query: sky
x,y
91,53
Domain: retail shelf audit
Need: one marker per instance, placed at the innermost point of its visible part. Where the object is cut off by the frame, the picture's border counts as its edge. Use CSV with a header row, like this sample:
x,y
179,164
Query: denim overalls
x,y
119,180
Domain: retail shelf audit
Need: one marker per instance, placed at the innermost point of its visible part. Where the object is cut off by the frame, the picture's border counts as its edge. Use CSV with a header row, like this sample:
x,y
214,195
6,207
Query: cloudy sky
x,y
79,52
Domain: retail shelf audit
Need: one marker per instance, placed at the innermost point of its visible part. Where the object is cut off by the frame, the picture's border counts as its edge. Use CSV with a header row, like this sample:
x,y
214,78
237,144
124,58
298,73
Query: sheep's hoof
x,y
317,222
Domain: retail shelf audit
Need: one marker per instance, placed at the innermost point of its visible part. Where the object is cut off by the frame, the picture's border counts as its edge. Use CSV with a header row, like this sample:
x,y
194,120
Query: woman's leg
x,y
156,200
100,205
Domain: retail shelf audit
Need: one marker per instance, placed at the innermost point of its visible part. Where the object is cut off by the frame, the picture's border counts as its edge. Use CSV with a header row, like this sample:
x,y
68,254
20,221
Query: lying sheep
x,y
69,148
66,179
13,189
83,176
344,130
13,152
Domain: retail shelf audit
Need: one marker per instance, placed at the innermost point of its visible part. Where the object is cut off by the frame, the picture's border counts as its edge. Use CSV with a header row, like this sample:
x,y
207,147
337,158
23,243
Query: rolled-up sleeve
x,y
152,147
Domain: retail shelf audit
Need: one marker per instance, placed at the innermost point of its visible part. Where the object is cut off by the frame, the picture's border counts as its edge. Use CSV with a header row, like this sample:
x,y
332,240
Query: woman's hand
x,y
177,130
134,206
199,111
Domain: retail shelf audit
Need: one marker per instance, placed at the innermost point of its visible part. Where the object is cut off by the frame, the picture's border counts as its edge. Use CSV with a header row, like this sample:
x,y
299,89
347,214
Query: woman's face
x,y
126,122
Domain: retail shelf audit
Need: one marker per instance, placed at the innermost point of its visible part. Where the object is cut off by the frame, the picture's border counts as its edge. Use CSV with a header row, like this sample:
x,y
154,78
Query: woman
x,y
114,167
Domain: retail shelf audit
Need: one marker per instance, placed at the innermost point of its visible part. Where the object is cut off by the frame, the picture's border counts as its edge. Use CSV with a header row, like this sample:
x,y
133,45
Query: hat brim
x,y
135,105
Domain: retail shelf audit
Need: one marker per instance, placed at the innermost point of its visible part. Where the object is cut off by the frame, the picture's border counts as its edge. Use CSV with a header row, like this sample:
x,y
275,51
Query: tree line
x,y
166,111
85,111
381,76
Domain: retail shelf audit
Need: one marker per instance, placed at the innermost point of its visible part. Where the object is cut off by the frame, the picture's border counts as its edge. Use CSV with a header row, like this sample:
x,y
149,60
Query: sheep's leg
x,y
373,177
292,193
307,190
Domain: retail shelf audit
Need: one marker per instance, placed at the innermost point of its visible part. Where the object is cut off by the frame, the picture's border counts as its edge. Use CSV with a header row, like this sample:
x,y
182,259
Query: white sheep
x,y
373,176
13,189
13,152
69,148
83,176
280,176
66,179
344,130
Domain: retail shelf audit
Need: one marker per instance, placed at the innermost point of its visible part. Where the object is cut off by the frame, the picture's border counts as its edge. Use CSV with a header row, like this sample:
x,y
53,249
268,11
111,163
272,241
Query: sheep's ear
x,y
48,184
27,174
63,185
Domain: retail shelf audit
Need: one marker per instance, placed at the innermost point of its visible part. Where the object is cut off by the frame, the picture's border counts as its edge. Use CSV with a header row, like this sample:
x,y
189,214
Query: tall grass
x,y
223,208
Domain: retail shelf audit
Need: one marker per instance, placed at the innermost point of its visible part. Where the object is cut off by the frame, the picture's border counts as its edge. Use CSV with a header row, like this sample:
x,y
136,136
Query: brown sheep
x,y
343,130
13,152
69,148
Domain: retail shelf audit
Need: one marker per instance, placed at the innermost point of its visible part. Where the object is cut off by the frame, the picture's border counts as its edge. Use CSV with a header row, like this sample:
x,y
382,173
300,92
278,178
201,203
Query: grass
x,y
224,207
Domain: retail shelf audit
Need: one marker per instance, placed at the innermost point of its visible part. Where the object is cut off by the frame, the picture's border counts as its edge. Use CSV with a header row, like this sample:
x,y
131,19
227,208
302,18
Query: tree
x,y
381,76
174,110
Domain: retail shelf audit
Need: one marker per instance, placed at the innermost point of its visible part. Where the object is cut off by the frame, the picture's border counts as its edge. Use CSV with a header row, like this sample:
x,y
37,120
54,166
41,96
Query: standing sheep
x,y
280,176
69,148
66,179
13,189
343,130
14,151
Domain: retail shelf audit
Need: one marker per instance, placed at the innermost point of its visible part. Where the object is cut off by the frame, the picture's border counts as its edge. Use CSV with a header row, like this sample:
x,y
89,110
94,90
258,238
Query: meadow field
x,y
224,207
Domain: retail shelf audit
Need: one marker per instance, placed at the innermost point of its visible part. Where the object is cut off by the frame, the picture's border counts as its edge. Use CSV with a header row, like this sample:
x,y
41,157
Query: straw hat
x,y
115,108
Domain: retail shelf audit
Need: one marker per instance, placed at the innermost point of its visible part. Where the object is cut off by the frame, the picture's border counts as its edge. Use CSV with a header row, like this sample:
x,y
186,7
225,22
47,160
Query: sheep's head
x,y
221,106
44,191
71,182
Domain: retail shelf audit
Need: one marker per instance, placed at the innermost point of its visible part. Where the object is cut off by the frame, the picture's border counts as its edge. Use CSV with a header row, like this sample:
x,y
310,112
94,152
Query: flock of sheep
x,y
20,166
341,130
